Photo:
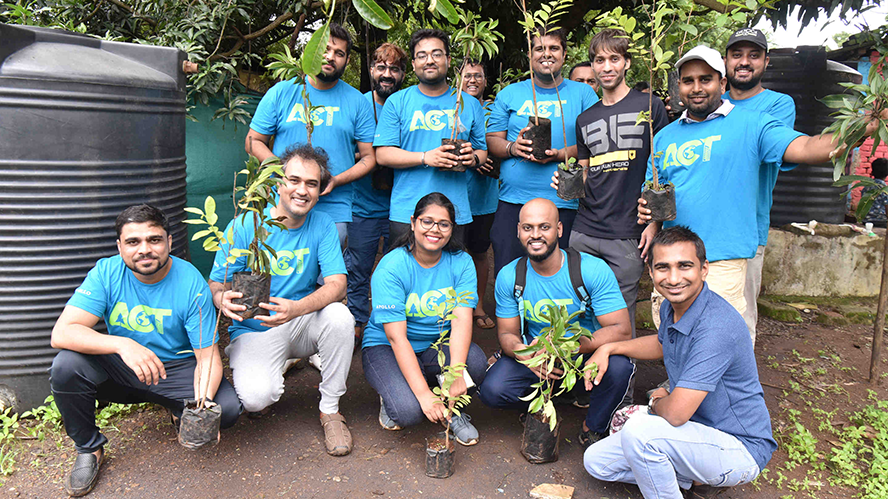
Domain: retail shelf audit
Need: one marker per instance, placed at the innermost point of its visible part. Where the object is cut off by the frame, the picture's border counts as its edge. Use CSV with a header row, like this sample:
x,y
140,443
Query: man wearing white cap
x,y
712,155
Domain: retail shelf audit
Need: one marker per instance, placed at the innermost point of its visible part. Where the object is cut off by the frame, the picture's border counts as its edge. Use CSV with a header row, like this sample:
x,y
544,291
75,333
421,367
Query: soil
x,y
541,135
457,143
282,453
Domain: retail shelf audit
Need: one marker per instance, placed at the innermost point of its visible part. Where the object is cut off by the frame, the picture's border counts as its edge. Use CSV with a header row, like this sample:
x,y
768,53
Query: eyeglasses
x,y
474,76
380,68
428,223
436,55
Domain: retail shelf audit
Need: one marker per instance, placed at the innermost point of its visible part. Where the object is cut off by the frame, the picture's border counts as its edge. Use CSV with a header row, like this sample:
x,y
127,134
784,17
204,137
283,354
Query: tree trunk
x,y
880,315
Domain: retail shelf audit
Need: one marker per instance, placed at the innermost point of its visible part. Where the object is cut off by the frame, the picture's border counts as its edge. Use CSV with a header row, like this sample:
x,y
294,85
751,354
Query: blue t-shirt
x,y
782,107
709,349
714,165
540,291
302,255
166,317
524,180
483,190
403,290
416,122
370,202
344,120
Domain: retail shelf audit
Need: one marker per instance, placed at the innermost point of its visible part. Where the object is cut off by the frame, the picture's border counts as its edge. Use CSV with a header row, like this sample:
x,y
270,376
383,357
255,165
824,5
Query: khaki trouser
x,y
727,278
753,288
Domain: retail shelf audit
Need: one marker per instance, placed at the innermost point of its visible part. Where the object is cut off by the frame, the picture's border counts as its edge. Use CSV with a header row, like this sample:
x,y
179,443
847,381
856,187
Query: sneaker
x,y
703,492
84,474
385,421
463,429
570,398
315,361
589,437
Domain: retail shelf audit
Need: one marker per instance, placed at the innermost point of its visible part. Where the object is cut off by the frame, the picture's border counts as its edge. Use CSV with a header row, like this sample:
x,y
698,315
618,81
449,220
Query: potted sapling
x,y
554,352
571,184
475,40
201,421
440,448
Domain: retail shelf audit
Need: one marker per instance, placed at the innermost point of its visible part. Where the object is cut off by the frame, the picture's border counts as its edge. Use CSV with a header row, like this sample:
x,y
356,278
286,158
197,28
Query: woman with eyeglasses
x,y
409,283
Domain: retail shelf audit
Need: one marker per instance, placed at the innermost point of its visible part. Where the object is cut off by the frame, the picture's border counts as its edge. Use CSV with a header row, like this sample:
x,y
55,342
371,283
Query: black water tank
x,y
87,128
806,193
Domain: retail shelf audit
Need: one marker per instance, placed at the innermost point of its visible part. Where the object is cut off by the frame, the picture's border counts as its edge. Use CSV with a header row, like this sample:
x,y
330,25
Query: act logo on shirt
x,y
431,120
425,306
535,312
546,108
289,261
321,115
141,319
689,152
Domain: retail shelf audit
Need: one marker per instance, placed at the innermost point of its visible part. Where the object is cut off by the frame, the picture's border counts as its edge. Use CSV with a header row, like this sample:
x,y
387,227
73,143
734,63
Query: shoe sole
x,y
384,427
467,444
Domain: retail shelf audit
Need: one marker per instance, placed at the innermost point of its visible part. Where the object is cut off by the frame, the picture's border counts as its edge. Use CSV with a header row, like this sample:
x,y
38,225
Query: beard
x,y
332,77
550,248
160,266
705,109
745,85
385,93
431,81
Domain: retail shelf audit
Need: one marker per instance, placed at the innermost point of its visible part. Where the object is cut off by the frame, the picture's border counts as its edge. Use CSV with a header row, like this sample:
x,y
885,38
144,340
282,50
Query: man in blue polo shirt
x,y
548,282
161,338
343,121
711,428
746,59
370,209
303,319
524,177
413,122
712,155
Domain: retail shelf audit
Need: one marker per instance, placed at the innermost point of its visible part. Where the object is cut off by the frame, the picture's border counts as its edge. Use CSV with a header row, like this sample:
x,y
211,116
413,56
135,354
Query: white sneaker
x,y
315,361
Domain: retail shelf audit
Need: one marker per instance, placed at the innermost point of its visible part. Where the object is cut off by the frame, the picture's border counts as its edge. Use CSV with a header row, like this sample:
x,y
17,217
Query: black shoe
x,y
84,474
703,492
589,437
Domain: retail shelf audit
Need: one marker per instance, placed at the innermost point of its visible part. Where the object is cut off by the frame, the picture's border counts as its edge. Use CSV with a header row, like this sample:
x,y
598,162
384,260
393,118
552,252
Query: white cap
x,y
705,54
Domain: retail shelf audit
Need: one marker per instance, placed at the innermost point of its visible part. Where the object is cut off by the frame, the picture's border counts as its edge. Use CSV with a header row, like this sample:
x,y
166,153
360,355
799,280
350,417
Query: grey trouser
x,y
753,288
257,359
624,259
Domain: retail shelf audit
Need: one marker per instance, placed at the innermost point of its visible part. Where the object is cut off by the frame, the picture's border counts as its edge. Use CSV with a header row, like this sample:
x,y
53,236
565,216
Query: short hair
x,y
673,235
421,34
559,33
879,168
613,40
389,51
139,214
337,31
641,86
584,64
433,199
473,62
306,152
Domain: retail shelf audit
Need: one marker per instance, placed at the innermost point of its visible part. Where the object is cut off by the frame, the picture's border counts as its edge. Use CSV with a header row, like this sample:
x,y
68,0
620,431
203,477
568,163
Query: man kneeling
x,y
161,323
712,428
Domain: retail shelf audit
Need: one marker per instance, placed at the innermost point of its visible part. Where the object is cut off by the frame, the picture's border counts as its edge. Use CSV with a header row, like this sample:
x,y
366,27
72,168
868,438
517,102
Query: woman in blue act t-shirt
x,y
407,286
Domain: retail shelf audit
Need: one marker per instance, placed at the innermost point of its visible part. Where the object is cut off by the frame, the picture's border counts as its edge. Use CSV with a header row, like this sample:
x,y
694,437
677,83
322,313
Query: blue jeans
x,y
508,380
660,458
363,242
384,375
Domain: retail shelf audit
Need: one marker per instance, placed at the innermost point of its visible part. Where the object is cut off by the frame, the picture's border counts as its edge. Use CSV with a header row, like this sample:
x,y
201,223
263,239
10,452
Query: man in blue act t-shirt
x,y
161,339
746,59
409,133
524,177
303,319
342,122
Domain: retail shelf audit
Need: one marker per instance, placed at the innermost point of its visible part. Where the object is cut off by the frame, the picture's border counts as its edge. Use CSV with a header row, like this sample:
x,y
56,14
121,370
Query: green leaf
x,y
196,211
446,9
313,54
373,13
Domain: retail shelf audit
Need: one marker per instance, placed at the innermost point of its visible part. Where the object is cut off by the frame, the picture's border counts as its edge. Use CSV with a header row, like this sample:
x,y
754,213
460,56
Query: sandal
x,y
484,321
337,438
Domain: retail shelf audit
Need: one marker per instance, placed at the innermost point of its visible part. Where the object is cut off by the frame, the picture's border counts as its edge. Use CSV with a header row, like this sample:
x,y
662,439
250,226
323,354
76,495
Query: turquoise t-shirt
x,y
714,166
483,190
302,255
524,180
540,291
416,122
370,202
403,290
782,107
166,317
344,120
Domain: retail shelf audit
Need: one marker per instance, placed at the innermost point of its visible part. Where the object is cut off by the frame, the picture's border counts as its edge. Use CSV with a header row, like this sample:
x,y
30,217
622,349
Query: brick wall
x,y
866,160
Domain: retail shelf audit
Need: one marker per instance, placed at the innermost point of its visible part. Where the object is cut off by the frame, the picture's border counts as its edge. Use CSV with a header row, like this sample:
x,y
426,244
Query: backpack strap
x,y
574,267
520,283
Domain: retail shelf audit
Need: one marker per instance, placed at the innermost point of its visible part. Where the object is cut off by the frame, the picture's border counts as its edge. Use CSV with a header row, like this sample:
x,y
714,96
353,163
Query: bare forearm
x,y
460,336
498,146
258,148
362,168
328,293
605,335
644,348
395,157
810,150
207,373
509,342
217,288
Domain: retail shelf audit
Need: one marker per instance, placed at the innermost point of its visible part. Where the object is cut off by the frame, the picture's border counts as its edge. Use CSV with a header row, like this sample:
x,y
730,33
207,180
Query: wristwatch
x,y
477,161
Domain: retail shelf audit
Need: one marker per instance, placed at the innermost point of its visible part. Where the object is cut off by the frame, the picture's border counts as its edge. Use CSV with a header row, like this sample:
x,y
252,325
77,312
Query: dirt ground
x,y
282,454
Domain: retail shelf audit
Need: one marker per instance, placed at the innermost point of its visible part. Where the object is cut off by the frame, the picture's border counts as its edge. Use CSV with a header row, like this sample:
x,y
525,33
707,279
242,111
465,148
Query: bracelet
x,y
422,159
509,149
652,406
477,160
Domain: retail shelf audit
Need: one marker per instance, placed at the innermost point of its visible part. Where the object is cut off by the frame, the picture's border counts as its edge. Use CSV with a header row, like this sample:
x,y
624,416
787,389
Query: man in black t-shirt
x,y
614,151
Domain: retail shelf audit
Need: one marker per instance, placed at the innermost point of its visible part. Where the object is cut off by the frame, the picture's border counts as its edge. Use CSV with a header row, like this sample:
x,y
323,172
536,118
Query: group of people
x,y
708,428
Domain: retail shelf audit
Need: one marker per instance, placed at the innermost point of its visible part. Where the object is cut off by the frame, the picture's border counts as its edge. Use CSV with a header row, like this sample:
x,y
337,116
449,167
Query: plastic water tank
x,y
87,128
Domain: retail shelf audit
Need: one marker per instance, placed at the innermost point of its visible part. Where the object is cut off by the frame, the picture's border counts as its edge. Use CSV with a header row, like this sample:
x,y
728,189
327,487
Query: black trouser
x,y
79,380
504,233
399,230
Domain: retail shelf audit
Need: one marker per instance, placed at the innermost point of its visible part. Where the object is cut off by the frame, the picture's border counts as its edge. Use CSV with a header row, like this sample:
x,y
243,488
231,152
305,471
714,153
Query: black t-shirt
x,y
618,151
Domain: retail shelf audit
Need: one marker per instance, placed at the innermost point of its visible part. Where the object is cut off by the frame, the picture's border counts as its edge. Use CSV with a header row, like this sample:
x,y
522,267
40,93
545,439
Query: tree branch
x,y
274,24
129,9
299,24
719,7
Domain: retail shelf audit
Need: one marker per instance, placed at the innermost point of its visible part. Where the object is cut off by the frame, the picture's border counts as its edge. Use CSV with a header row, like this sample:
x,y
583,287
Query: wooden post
x,y
880,315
